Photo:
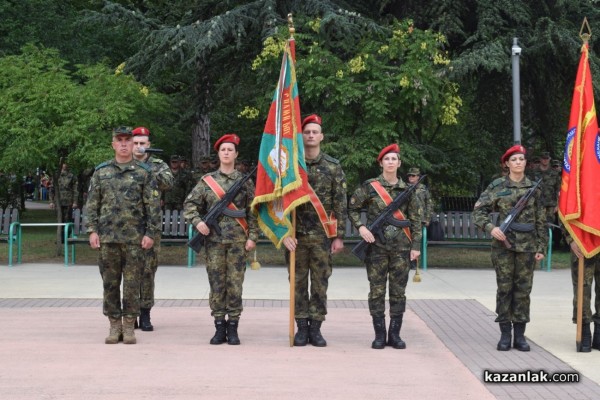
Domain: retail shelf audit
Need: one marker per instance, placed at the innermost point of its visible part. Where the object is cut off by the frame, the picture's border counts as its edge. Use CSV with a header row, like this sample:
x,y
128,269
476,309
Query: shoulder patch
x,y
497,182
104,164
330,159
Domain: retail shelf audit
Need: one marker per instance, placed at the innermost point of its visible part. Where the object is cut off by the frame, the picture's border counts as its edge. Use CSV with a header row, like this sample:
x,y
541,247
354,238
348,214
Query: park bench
x,y
175,232
460,231
7,229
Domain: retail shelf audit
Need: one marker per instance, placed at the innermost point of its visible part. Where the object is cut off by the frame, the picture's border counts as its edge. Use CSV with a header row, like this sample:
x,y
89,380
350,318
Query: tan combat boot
x,y
116,331
128,332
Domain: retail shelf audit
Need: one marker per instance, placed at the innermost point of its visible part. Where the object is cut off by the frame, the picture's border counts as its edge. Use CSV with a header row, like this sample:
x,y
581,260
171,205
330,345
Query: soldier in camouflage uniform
x,y
591,278
174,198
313,245
226,253
550,185
391,257
123,212
514,253
68,194
424,196
164,180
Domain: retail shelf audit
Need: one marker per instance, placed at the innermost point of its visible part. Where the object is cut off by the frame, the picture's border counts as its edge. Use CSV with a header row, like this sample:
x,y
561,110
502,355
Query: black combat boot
x,y
301,337
394,338
505,337
379,326
232,334
596,339
221,332
314,334
586,338
145,320
519,341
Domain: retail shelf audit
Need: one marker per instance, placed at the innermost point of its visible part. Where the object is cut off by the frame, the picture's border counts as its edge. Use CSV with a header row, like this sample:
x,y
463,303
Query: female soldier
x,y
515,252
225,253
390,255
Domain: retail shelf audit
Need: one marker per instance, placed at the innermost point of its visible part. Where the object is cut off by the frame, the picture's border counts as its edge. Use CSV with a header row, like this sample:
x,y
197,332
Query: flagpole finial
x,y
291,25
585,36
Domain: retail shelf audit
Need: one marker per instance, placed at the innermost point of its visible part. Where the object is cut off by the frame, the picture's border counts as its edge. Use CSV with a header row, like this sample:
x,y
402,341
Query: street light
x,y
516,53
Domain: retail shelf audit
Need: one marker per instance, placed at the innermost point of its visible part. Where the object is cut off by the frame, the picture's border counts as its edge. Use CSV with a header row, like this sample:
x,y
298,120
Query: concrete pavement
x,y
53,336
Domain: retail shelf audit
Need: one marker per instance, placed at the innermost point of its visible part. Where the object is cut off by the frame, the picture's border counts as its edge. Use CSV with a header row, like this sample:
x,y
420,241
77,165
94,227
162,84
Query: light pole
x,y
516,53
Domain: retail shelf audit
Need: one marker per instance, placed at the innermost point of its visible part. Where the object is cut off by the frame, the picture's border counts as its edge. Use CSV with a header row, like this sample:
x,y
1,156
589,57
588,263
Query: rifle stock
x,y
360,250
211,217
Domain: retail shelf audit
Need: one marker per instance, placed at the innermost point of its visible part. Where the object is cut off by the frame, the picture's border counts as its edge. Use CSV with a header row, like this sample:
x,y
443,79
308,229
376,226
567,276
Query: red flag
x,y
282,181
579,197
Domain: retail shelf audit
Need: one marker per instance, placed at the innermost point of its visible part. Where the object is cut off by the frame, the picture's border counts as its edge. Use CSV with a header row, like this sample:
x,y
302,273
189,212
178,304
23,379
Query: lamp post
x,y
516,53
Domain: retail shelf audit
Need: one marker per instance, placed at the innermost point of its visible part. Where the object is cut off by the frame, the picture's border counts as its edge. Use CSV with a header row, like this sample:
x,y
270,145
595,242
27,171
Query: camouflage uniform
x,y
313,251
391,258
174,198
225,254
514,267
426,202
69,194
123,206
550,187
164,180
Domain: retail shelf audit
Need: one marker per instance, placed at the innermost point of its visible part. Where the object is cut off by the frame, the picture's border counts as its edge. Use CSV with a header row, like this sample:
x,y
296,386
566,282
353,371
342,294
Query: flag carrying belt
x,y
387,199
218,190
329,224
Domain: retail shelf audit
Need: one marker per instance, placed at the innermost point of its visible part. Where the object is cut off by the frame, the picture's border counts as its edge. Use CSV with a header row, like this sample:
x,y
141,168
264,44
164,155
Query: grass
x,y
39,245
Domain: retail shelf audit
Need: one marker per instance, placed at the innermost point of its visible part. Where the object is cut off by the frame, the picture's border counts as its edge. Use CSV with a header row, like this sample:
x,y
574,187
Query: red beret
x,y
392,148
311,119
227,138
141,131
517,148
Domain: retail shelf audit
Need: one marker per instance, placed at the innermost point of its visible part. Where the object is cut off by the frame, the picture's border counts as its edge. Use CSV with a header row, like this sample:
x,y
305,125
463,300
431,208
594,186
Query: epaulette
x,y
497,182
104,164
330,159
144,165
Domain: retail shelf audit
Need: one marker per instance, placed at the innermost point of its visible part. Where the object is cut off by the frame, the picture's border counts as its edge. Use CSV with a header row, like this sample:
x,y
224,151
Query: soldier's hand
x,y
250,245
414,254
290,243
51,205
337,245
576,249
539,256
498,234
366,234
203,228
147,243
94,240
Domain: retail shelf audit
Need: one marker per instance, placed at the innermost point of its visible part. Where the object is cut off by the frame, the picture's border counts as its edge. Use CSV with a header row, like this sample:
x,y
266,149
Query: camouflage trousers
x,y
383,265
121,263
514,277
591,276
148,274
226,266
313,262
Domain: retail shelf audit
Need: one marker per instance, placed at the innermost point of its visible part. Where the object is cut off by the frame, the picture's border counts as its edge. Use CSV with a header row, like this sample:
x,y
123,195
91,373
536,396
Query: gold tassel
x,y
417,276
255,264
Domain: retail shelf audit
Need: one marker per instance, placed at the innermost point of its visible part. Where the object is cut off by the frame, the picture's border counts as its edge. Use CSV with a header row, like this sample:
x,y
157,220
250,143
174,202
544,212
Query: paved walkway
x,y
53,330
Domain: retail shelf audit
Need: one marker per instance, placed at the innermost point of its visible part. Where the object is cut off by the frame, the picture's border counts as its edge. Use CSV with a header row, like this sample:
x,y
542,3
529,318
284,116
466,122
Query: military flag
x,y
579,197
281,182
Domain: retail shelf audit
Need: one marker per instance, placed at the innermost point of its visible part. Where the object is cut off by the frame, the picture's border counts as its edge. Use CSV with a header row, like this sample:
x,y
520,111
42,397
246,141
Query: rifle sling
x,y
219,192
387,199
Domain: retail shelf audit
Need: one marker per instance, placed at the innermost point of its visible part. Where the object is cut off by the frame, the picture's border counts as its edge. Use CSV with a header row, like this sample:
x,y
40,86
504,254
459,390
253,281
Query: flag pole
x,y
292,282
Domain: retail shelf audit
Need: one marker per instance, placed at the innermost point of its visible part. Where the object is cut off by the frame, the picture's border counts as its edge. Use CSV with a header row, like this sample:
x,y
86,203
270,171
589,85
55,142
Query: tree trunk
x,y
200,139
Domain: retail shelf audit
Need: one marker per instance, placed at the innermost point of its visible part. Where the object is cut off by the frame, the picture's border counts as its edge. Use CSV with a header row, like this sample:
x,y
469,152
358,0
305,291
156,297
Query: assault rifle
x,y
386,217
212,216
510,219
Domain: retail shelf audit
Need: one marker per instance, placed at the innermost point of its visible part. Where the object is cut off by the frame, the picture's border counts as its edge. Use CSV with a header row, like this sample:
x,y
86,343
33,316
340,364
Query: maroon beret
x,y
392,148
311,119
517,148
227,138
141,131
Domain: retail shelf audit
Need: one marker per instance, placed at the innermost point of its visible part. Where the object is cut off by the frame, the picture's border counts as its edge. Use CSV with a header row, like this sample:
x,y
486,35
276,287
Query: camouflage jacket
x,y
180,188
365,197
202,199
426,202
69,190
326,177
123,203
500,196
550,185
162,172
